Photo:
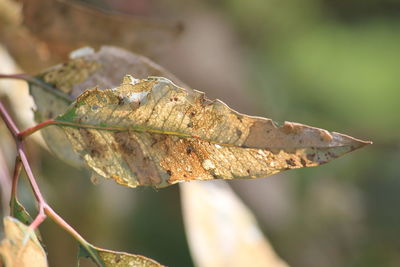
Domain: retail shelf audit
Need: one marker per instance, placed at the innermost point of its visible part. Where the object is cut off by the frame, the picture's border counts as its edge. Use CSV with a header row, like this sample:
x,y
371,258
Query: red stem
x,y
25,133
63,224
35,188
19,76
22,161
60,221
31,178
8,121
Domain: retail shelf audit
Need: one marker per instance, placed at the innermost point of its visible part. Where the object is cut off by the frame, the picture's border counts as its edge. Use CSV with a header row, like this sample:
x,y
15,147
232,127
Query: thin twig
x,y
22,161
68,228
37,82
35,188
15,178
8,121
25,133
61,222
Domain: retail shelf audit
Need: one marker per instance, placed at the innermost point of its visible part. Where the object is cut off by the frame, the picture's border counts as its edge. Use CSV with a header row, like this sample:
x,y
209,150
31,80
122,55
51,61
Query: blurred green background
x,y
332,64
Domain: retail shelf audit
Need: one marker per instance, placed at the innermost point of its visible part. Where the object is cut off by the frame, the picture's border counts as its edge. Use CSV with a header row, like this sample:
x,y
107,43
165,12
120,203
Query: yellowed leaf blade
x,y
221,230
15,251
109,258
151,132
122,259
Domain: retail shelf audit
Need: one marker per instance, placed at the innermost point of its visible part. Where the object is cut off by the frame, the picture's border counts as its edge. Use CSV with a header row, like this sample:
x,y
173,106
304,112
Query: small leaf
x,y
16,251
221,230
109,258
19,212
151,132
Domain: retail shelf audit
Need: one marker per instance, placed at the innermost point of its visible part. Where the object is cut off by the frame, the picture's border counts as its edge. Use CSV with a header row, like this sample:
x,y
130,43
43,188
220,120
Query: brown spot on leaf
x,y
189,150
311,156
95,153
332,155
139,164
120,101
238,133
92,145
117,258
187,167
275,151
291,162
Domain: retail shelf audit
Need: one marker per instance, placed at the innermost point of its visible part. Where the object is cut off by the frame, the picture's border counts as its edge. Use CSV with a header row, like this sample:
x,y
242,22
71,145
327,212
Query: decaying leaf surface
x,y
111,258
103,68
15,251
151,132
221,230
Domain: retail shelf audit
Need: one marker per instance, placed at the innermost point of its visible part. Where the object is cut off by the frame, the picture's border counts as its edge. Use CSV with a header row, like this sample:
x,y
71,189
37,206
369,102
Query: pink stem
x,y
35,188
21,152
8,121
22,161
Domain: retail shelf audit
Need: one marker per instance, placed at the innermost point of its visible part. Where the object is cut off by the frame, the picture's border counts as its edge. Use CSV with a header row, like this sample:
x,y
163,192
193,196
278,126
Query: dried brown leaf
x,y
20,248
66,25
152,132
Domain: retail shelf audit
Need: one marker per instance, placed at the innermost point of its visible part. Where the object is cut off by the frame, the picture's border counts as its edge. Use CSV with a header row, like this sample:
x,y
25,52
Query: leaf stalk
x,y
22,162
